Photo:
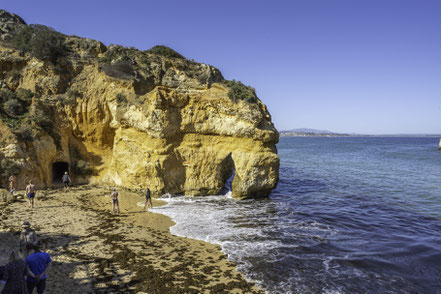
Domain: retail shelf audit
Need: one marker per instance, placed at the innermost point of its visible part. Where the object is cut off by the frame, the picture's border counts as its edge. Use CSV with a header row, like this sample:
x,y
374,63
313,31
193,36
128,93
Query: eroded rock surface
x,y
130,118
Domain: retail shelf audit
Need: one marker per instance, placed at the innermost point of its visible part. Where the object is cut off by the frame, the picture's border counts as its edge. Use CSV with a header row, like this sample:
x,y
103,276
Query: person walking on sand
x,y
66,181
14,275
12,183
39,264
28,238
115,201
30,193
148,199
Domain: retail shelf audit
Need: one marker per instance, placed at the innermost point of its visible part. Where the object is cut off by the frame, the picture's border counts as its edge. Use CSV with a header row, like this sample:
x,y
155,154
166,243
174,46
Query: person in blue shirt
x,y
38,264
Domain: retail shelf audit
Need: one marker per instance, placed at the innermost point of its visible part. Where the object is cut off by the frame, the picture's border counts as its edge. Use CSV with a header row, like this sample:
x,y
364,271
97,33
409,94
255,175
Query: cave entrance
x,y
228,172
228,186
58,170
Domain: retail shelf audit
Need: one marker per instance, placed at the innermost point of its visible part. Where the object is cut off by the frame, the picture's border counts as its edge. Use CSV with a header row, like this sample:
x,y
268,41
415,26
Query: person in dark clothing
x,y
66,181
115,202
14,275
39,263
28,238
148,198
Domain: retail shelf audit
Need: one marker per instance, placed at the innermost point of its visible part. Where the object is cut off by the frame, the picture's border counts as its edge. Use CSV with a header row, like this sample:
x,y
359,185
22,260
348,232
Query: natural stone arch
x,y
227,172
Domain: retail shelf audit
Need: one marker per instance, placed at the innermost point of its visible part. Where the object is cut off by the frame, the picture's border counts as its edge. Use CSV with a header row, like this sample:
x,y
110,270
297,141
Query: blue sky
x,y
364,66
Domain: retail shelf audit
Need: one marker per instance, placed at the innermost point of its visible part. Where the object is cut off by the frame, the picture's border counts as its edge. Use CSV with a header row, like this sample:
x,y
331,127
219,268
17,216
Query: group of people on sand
x,y
30,188
115,202
31,191
27,267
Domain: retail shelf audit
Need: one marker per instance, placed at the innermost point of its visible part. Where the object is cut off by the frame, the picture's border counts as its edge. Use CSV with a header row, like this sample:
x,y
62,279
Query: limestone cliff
x,y
126,117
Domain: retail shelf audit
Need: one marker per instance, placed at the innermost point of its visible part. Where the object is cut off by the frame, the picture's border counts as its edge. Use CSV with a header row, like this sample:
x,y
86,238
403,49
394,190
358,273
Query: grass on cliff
x,y
24,117
40,41
117,63
238,91
15,112
15,103
165,51
8,167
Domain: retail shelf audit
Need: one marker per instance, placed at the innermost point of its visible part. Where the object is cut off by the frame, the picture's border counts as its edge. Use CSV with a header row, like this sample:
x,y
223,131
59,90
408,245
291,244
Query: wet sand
x,y
94,251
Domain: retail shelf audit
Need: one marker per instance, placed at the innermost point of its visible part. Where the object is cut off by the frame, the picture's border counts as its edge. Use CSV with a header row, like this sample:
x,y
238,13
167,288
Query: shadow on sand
x,y
80,273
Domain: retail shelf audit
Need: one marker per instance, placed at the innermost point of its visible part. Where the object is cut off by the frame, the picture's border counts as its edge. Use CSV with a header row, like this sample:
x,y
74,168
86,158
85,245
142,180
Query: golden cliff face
x,y
134,119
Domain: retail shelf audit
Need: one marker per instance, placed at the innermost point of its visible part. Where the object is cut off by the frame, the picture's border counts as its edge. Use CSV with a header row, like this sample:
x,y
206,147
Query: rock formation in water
x,y
120,116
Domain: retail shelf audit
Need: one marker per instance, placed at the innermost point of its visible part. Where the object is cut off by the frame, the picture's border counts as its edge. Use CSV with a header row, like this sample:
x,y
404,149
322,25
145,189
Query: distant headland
x,y
305,132
310,133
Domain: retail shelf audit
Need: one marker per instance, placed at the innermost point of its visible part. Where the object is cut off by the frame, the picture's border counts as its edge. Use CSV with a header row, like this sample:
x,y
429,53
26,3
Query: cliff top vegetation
x,y
46,44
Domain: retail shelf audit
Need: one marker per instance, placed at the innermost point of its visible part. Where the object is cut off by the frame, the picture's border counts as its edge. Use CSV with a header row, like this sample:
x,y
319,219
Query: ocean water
x,y
350,215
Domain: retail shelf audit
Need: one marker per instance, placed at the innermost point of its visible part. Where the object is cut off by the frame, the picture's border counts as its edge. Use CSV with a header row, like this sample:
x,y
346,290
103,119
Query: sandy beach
x,y
94,251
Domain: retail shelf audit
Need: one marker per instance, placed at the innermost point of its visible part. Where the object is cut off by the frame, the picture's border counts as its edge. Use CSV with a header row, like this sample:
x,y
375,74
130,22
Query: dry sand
x,y
94,251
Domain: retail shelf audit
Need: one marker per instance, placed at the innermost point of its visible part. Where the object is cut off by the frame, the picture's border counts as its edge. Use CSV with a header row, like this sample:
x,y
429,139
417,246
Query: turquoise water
x,y
350,215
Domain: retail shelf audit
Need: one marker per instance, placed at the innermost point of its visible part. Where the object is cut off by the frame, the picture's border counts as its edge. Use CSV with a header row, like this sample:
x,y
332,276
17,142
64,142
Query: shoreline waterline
x,y
349,215
94,250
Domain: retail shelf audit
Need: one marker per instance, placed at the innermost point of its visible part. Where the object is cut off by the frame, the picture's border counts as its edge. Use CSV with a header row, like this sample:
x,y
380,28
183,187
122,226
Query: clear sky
x,y
364,66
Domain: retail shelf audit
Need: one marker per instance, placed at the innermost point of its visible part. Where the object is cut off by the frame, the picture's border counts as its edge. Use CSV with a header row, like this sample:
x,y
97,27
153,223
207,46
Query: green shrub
x,y
143,60
48,44
40,41
164,51
42,120
8,167
25,95
15,103
14,75
24,132
6,94
121,98
238,91
12,107
21,39
82,168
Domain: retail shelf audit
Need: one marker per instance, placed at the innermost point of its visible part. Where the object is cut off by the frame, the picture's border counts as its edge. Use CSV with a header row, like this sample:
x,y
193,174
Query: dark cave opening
x,y
58,170
228,186
227,173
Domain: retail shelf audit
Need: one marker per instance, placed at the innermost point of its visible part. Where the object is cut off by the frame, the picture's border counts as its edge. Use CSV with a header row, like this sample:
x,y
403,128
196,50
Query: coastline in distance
x,y
305,132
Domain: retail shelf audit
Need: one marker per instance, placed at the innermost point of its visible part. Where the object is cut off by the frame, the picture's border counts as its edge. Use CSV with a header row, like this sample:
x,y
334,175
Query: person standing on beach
x,y
148,198
66,181
30,193
115,201
39,264
12,183
14,275
28,238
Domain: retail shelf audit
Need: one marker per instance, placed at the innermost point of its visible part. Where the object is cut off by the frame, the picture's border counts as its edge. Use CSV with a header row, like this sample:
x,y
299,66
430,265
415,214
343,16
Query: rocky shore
x,y
94,251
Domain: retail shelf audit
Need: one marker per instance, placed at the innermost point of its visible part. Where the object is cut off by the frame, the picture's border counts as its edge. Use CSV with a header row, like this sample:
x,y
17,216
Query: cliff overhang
x,y
125,117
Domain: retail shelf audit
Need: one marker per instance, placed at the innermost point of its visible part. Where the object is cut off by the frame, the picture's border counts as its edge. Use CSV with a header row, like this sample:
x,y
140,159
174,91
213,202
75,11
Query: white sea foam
x,y
247,231
327,227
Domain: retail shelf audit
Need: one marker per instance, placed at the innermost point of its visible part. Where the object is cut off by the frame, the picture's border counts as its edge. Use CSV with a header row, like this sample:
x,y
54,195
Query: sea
x,y
349,215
